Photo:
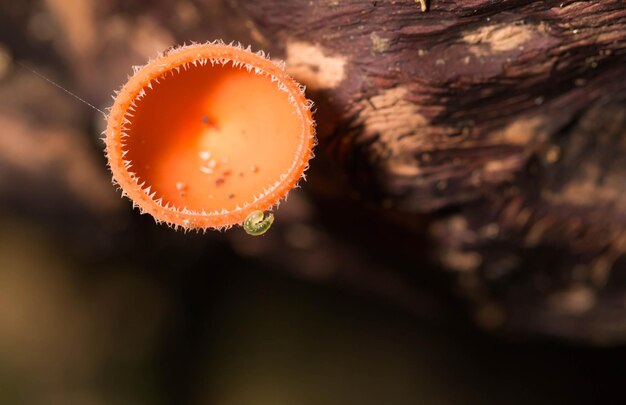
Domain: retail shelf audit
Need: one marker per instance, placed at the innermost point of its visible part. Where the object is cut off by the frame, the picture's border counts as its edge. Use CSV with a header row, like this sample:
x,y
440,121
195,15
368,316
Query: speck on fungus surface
x,y
207,134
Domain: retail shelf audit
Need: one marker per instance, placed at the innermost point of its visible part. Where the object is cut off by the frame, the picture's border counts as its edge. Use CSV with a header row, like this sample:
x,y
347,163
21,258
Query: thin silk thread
x,y
62,88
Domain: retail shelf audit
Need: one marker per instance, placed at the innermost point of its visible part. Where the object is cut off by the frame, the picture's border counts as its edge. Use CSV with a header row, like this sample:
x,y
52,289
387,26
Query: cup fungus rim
x,y
217,52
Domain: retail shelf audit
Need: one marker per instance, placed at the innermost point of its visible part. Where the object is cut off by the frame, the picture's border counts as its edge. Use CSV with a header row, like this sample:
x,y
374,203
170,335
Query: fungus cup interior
x,y
214,138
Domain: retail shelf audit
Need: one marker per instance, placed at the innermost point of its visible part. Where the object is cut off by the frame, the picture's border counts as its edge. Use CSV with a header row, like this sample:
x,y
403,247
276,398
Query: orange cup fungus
x,y
207,135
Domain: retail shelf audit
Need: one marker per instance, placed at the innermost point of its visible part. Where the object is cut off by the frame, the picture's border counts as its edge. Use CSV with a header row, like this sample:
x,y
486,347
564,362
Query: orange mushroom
x,y
208,134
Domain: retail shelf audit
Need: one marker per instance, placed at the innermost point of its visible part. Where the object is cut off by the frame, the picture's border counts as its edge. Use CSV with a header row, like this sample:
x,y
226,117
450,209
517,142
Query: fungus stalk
x,y
207,135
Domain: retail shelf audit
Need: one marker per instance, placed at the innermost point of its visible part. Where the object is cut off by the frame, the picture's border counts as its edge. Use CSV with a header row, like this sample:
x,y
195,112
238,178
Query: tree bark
x,y
501,123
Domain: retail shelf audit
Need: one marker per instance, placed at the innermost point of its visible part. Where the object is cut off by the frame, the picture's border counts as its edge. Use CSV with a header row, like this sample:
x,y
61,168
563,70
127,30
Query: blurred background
x,y
98,305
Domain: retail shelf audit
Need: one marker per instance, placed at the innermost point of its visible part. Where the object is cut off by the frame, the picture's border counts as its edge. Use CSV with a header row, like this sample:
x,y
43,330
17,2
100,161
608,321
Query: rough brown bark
x,y
509,115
